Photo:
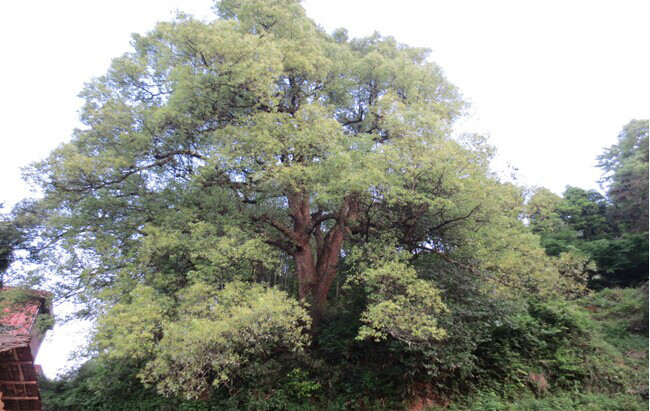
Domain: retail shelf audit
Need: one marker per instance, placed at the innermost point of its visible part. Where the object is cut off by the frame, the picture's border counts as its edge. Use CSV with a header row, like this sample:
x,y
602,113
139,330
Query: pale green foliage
x,y
541,210
400,305
511,256
131,328
217,254
208,336
573,268
312,142
295,35
217,334
192,141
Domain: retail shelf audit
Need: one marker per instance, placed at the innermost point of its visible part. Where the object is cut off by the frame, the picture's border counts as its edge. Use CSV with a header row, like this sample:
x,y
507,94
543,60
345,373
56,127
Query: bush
x,y
557,339
510,356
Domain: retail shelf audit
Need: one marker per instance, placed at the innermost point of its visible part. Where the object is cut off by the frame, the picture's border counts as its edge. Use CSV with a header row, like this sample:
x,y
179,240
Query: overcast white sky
x,y
552,82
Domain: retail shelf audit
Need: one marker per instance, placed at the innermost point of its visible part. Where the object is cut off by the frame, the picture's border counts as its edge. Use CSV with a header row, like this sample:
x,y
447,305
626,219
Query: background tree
x,y
16,234
8,240
625,165
612,230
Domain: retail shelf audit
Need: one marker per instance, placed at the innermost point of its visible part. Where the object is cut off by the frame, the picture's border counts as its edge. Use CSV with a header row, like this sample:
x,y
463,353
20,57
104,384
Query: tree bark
x,y
317,261
327,265
306,270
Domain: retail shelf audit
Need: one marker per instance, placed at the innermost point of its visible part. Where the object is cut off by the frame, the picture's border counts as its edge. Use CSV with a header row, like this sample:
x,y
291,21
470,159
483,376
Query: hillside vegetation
x,y
588,355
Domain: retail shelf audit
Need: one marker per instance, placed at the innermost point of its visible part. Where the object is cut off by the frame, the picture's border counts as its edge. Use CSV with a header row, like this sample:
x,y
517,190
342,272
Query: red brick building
x,y
21,334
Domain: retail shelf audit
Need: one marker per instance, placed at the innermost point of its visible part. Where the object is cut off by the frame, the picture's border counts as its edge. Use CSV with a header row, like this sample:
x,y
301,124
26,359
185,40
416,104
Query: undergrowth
x,y
591,356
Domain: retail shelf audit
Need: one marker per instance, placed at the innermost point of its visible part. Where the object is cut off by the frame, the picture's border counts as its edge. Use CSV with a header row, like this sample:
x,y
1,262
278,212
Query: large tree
x,y
258,148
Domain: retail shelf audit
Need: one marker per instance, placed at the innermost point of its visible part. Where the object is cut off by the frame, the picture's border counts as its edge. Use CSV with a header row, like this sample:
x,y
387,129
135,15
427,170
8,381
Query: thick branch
x,y
320,241
318,219
282,245
280,227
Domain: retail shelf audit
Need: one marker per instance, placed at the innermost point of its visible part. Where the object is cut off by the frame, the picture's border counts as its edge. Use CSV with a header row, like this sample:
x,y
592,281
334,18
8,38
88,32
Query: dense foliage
x,y
554,355
261,215
611,363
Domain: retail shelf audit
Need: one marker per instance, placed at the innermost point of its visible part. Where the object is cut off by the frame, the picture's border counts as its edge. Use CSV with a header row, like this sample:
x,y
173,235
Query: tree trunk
x,y
317,261
306,270
327,265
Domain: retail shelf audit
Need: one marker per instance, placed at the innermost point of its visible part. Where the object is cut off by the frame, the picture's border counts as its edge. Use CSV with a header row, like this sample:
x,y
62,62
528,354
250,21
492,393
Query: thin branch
x,y
453,220
448,259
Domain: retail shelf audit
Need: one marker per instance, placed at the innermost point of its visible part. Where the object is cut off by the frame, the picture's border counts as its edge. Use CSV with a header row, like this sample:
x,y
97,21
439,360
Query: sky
x,y
551,82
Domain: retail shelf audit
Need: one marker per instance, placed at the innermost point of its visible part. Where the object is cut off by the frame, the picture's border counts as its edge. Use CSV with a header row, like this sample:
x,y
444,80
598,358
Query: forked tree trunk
x,y
317,257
